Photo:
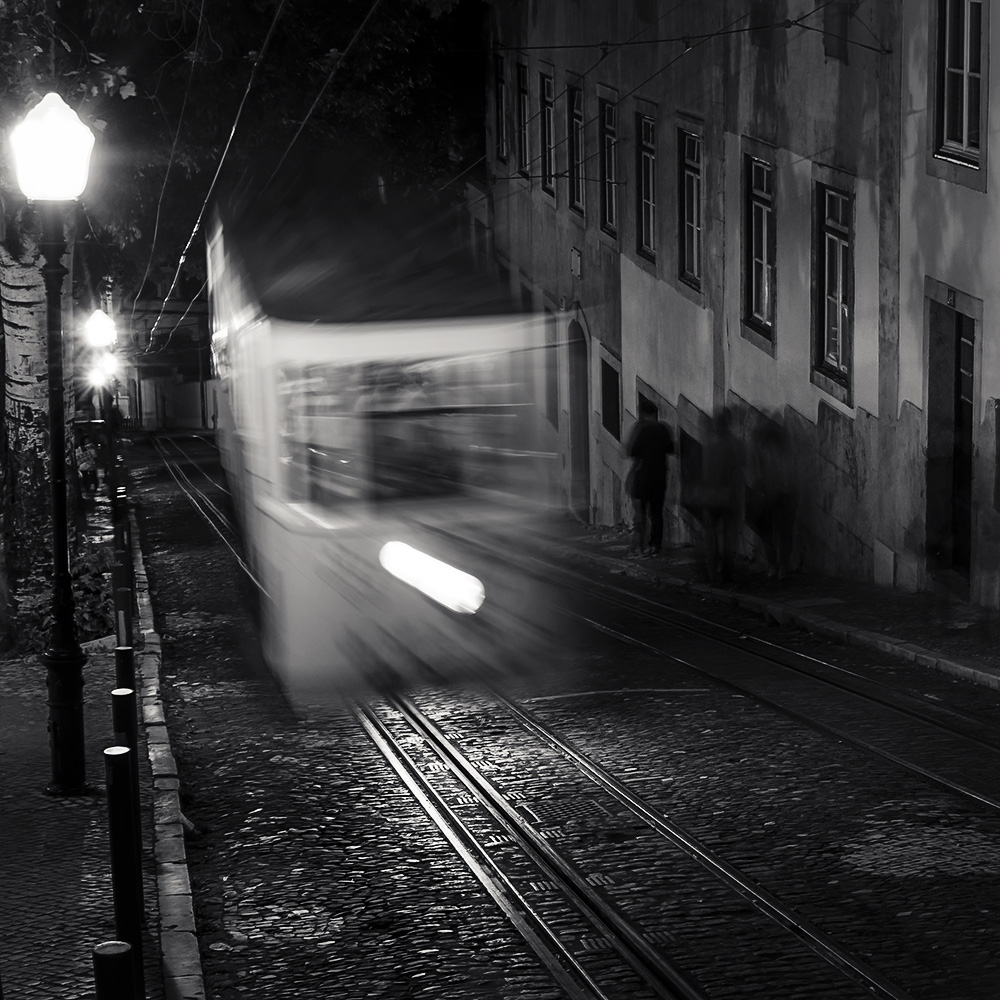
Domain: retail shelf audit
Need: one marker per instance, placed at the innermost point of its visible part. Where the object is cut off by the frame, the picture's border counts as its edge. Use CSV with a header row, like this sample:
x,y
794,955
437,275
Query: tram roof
x,y
320,252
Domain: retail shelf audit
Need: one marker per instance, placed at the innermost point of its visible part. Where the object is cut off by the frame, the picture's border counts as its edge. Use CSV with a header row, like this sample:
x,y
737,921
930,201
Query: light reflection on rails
x,y
212,514
657,971
662,977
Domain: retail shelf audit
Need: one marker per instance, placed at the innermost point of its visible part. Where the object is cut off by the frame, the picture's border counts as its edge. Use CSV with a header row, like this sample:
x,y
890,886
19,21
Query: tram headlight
x,y
445,584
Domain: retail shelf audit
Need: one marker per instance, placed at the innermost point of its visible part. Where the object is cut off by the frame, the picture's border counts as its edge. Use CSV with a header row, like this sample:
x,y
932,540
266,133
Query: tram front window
x,y
392,432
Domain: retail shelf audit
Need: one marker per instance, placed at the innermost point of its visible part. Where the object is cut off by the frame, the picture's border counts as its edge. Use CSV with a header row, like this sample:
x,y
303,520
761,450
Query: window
x,y
960,83
546,132
835,270
689,146
551,370
576,148
611,416
645,129
522,119
609,166
759,246
500,109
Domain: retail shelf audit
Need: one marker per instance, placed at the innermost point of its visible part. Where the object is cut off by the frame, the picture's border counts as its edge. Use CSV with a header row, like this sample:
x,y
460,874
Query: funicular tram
x,y
382,426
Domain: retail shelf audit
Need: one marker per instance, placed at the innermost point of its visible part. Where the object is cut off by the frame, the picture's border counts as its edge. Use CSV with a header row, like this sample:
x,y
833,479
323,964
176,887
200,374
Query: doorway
x,y
950,427
579,422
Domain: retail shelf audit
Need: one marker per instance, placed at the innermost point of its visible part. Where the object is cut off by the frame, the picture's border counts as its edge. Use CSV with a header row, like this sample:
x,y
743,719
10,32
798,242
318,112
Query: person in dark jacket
x,y
650,444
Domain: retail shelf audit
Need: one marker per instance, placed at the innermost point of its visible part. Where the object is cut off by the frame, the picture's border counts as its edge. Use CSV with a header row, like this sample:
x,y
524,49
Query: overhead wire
x,y
302,124
218,170
170,161
706,37
326,83
593,180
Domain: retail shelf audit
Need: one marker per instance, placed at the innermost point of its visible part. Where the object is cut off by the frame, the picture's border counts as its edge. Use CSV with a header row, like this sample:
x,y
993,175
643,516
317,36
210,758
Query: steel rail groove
x,y
662,976
819,942
531,925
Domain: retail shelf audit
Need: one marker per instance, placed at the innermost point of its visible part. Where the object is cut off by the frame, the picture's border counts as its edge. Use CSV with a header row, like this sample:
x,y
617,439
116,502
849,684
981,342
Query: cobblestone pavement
x,y
55,875
313,872
941,632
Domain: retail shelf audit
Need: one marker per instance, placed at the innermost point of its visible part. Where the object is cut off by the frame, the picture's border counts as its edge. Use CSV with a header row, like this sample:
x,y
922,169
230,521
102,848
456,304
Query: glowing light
x,y
52,151
445,584
103,371
100,329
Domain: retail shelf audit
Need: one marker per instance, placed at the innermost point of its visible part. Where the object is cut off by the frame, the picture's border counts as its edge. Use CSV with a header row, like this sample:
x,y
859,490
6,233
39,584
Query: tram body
x,y
384,470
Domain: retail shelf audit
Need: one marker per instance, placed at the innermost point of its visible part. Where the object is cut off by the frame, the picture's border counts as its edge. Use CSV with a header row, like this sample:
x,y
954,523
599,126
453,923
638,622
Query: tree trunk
x,y
25,504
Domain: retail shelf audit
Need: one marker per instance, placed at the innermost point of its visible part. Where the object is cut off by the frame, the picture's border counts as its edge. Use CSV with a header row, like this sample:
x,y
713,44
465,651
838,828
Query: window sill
x,y
753,333
941,165
840,391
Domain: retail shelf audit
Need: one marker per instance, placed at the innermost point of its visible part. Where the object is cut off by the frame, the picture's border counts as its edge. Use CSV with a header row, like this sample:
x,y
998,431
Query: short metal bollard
x,y
126,730
126,862
125,667
123,616
113,974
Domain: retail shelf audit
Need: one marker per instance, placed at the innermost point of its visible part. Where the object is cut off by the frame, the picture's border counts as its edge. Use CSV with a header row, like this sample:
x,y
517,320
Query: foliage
x,y
92,595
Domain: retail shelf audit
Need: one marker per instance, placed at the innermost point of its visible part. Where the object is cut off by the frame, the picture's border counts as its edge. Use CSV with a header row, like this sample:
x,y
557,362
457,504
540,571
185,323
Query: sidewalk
x,y
55,872
937,632
55,875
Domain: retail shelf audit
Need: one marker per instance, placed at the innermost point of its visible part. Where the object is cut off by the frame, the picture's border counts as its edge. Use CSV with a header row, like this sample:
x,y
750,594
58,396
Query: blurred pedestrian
x,y
86,465
719,497
771,498
648,447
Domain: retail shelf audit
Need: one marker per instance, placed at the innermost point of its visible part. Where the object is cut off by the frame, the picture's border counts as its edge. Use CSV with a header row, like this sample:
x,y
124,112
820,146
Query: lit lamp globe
x,y
100,329
52,150
103,371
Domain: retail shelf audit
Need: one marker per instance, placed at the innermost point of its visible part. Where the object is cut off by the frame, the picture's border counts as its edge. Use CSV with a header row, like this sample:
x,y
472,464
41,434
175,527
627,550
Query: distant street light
x,y
51,157
101,334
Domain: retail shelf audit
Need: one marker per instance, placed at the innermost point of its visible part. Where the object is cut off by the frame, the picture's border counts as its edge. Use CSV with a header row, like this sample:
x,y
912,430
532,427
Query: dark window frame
x,y
611,399
759,247
546,131
690,195
645,186
608,117
960,76
523,112
834,238
576,135
946,159
551,368
500,109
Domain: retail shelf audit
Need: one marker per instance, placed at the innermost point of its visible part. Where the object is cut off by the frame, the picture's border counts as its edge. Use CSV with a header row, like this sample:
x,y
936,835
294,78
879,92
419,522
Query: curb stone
x,y
180,957
786,614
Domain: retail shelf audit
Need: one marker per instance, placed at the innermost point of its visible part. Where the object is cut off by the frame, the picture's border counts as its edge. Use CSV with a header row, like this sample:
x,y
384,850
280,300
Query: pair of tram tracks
x,y
568,960
563,950
935,720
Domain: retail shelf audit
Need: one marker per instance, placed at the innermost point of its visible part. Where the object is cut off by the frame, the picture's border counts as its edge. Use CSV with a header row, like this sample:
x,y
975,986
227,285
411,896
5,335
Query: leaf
x,y
127,91
99,124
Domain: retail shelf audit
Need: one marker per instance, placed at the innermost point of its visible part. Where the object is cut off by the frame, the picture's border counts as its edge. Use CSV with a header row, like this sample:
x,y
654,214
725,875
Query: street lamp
x,y
100,333
51,158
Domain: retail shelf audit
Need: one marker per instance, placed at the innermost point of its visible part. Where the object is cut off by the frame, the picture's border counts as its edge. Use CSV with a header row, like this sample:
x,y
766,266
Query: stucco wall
x,y
949,240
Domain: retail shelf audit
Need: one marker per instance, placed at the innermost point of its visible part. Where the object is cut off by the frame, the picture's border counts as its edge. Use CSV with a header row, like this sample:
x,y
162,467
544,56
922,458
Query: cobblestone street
x,y
314,870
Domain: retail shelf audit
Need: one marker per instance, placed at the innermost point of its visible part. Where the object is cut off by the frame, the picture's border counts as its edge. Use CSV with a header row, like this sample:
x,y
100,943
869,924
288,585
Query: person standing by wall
x,y
650,444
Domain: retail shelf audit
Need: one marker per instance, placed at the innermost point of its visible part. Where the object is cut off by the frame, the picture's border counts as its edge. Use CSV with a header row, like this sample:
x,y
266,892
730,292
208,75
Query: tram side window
x,y
322,443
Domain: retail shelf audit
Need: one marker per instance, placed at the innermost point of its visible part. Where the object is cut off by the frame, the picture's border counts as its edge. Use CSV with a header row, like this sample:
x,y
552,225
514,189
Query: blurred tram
x,y
382,428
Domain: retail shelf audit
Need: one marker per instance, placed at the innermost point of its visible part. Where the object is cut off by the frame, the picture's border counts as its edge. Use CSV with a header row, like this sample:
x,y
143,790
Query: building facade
x,y
781,207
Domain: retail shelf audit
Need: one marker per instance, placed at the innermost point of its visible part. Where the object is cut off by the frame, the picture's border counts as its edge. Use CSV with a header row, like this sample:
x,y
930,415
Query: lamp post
x,y
51,157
